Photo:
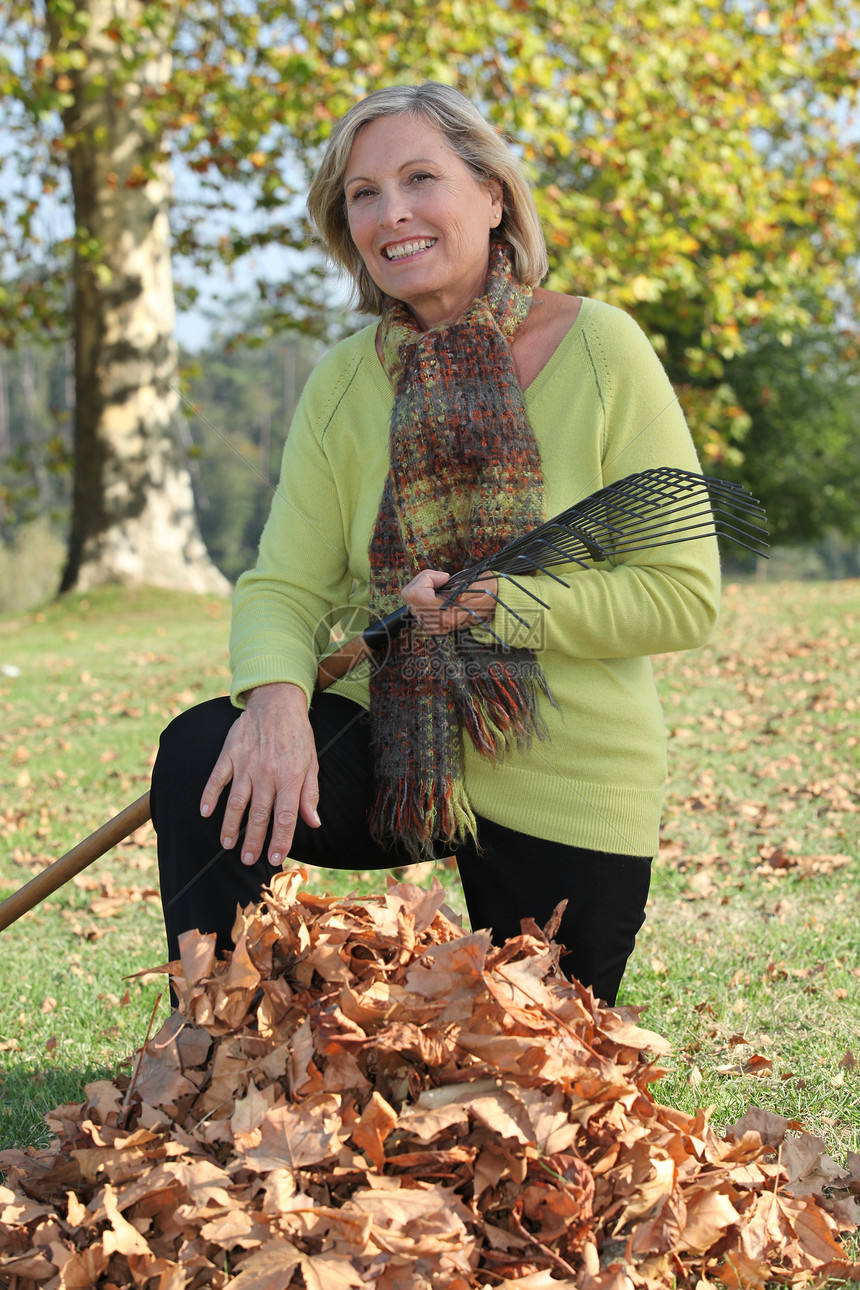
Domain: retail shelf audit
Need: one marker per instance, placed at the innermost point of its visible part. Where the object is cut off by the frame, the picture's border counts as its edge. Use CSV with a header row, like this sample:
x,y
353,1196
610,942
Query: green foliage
x,y
832,557
35,437
233,497
30,567
802,453
690,160
240,403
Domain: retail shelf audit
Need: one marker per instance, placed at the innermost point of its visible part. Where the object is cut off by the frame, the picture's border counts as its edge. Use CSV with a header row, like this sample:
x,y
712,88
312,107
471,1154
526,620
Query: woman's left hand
x,y
425,595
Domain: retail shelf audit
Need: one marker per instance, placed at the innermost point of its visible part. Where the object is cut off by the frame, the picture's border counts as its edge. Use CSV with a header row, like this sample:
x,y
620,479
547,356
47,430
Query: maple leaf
x,y
293,1136
269,1268
376,1122
198,956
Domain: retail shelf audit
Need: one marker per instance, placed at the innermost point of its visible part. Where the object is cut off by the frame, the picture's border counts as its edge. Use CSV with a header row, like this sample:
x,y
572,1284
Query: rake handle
x,y
331,669
80,856
362,647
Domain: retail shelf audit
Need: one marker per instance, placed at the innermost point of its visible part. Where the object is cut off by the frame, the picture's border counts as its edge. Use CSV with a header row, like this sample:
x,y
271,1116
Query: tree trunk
x,y
133,518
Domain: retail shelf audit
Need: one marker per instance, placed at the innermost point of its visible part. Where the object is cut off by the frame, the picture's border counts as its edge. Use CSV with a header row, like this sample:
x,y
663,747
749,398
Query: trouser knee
x,y
187,751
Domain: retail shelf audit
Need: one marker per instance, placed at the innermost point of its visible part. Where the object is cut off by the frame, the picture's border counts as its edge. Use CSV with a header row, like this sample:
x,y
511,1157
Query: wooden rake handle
x,y
132,817
80,856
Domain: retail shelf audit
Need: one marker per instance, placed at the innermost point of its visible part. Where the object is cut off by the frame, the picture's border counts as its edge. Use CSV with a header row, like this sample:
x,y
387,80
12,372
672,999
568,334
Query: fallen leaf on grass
x,y
777,862
141,836
757,1065
362,1096
112,900
700,886
767,1125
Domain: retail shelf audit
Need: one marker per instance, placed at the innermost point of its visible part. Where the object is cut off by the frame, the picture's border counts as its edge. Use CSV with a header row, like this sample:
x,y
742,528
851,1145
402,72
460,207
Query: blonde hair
x,y
467,134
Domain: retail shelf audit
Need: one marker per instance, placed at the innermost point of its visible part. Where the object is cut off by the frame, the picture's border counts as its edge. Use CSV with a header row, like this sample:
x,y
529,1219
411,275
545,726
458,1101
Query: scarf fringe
x,y
497,702
416,816
496,697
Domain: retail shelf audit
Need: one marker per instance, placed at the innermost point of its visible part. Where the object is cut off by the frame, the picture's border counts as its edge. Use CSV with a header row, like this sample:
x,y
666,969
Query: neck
x,y
505,298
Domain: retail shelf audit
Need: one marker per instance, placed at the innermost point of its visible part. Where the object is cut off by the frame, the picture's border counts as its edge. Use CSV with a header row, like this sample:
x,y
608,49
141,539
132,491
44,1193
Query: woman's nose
x,y
393,208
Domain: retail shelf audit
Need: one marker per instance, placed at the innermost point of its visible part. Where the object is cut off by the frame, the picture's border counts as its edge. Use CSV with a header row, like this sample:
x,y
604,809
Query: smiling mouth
x,y
403,249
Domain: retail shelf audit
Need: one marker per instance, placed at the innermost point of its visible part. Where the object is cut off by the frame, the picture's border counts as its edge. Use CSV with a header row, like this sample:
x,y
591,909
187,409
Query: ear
x,y
497,200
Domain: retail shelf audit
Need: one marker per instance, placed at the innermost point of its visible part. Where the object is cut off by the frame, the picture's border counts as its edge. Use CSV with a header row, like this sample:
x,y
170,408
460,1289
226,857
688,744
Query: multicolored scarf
x,y
465,478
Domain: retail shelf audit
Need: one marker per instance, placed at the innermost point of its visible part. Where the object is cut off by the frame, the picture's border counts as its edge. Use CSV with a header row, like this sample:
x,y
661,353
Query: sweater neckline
x,y
533,390
557,358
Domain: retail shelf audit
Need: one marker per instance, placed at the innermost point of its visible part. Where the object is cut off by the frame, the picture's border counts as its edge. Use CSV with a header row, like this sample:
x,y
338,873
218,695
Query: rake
x,y
651,509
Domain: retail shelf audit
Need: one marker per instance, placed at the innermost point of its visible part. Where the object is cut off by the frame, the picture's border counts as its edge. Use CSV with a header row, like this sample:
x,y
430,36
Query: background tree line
x,y
694,164
237,404
802,451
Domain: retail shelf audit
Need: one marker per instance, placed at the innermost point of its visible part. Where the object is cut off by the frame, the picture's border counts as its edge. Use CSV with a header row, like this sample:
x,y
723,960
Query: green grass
x,y
740,959
752,945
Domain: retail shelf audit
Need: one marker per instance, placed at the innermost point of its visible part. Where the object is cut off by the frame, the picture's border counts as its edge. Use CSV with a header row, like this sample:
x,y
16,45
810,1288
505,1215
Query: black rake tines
x,y
652,508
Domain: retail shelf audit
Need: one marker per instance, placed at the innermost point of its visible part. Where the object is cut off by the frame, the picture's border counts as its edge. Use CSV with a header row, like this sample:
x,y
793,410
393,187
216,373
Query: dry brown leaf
x,y
375,1124
17,1210
122,1237
757,1065
236,1227
269,1268
161,1082
198,956
291,1137
769,1126
330,1272
708,1214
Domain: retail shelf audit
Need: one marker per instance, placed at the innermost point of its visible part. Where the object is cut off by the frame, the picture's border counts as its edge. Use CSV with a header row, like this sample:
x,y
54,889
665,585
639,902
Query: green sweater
x,y
601,409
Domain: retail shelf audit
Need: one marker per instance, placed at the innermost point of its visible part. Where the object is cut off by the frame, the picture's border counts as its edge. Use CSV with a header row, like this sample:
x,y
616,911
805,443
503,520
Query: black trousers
x,y
513,877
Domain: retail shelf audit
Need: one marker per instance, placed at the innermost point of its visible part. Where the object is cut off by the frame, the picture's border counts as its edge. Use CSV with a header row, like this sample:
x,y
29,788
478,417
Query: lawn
x,y
749,959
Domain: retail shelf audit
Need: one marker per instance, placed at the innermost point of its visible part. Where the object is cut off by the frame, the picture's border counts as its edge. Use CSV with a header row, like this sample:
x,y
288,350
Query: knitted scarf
x,y
464,479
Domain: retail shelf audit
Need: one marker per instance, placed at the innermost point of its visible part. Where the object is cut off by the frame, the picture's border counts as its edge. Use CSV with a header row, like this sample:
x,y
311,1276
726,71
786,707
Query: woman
x,y
480,404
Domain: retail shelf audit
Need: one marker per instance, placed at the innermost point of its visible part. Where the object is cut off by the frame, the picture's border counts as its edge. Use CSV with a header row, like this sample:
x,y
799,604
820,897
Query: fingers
x,y
260,812
299,799
480,599
222,773
226,771
237,801
269,761
309,800
425,595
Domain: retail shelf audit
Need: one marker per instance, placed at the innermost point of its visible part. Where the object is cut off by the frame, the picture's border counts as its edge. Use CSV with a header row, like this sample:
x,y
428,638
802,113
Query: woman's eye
x,y
359,193
421,174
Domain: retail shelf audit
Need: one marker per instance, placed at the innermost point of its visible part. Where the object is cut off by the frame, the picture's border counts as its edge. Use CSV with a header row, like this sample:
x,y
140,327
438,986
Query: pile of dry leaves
x,y
362,1096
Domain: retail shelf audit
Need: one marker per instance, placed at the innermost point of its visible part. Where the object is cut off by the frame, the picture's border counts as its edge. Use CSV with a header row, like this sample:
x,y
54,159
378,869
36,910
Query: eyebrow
x,y
413,161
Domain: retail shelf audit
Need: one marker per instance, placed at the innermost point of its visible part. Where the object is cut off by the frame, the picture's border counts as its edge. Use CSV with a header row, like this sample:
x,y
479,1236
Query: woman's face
x,y
419,218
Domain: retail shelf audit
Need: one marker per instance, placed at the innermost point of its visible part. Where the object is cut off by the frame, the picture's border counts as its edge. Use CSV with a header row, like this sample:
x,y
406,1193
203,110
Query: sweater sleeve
x,y
650,602
283,607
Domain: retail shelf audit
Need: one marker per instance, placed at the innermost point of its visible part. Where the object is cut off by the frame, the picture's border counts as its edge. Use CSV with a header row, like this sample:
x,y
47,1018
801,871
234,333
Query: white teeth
x,y
407,248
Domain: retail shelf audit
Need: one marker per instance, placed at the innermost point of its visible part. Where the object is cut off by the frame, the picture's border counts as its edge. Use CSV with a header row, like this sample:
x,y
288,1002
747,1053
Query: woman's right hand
x,y
270,757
